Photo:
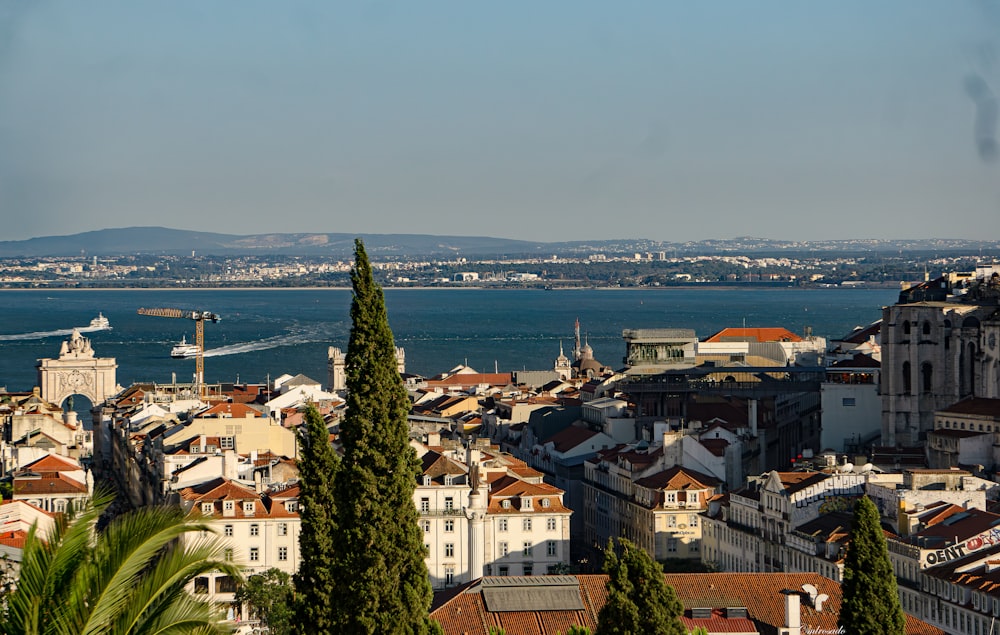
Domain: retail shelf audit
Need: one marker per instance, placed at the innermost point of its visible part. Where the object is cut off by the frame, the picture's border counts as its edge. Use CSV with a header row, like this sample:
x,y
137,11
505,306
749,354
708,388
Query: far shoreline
x,y
704,287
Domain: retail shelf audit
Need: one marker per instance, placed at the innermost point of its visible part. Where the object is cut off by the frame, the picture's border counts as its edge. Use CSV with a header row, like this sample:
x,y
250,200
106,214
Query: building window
x,y
671,520
449,503
670,497
526,524
282,554
227,531
693,520
254,554
227,555
282,529
551,548
907,380
425,504
248,508
525,503
505,504
526,551
503,549
254,529
503,570
528,569
503,524
550,524
848,402
226,443
449,550
672,545
449,525
927,374
206,508
546,503
449,576
426,524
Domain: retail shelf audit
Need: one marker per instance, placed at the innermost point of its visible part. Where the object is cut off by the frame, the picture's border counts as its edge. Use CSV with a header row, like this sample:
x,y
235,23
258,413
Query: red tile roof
x,y
772,334
464,611
234,410
974,406
53,463
52,483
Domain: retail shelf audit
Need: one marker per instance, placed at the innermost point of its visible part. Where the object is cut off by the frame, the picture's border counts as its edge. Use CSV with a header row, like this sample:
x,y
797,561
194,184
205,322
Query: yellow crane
x,y
199,318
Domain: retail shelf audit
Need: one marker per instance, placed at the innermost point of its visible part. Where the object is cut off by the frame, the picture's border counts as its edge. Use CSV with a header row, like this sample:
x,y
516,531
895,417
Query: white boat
x,y
183,349
100,323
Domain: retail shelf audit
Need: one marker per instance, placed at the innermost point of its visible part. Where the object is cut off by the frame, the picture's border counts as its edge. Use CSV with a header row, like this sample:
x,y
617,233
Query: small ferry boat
x,y
183,349
100,323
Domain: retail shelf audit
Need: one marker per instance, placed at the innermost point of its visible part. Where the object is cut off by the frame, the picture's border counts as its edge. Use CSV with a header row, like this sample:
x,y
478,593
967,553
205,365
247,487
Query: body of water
x,y
268,332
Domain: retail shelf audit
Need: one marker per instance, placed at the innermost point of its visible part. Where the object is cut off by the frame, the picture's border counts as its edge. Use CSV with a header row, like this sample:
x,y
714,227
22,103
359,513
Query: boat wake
x,y
277,341
40,335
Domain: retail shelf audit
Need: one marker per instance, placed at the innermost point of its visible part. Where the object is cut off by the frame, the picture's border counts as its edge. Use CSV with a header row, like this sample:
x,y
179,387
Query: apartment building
x,y
487,513
261,531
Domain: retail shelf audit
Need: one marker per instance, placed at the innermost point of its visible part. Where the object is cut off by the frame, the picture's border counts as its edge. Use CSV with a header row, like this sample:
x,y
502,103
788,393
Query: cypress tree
x,y
870,598
383,582
315,582
639,599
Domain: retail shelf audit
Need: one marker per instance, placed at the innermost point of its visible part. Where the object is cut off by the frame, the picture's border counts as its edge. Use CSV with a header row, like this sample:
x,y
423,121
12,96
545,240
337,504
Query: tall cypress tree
x,y
870,598
383,582
315,581
639,601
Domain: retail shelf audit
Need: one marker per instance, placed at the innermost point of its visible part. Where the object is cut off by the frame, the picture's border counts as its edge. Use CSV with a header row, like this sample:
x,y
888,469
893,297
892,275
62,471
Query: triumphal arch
x,y
77,372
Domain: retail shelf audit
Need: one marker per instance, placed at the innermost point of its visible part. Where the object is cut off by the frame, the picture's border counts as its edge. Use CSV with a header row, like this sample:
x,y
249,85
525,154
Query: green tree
x,y
315,580
870,598
384,587
128,578
270,596
640,602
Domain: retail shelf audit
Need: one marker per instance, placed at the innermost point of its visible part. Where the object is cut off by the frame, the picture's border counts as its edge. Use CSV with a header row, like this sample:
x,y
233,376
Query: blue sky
x,y
536,120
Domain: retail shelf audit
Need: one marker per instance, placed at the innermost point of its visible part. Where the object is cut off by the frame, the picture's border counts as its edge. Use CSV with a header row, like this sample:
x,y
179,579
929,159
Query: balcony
x,y
441,512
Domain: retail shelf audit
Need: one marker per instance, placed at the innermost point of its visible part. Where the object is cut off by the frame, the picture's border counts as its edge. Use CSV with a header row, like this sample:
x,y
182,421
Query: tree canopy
x,y
640,602
378,582
870,597
316,602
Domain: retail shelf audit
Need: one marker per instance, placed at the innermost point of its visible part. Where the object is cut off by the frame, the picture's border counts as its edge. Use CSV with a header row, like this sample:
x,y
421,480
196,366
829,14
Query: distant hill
x,y
164,241
161,240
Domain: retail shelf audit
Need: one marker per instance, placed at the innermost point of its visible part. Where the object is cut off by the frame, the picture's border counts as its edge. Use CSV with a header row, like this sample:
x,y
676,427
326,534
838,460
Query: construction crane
x,y
199,318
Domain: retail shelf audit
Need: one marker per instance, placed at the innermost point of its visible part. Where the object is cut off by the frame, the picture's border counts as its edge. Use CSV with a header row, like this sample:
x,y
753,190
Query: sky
x,y
549,121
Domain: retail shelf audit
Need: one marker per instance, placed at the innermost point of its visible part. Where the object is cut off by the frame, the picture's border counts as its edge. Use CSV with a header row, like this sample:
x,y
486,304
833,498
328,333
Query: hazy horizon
x,y
546,122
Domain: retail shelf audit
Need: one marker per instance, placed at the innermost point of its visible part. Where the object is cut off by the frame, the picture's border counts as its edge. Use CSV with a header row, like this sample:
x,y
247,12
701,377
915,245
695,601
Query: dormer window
x,y
545,503
525,503
248,508
206,508
448,479
291,506
506,503
427,480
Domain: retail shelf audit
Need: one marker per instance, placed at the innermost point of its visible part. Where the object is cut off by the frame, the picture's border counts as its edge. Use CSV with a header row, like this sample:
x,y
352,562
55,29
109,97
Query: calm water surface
x,y
267,332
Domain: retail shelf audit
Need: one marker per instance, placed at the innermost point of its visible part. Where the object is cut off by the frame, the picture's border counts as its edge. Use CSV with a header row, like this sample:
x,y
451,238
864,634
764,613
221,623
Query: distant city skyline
x,y
551,122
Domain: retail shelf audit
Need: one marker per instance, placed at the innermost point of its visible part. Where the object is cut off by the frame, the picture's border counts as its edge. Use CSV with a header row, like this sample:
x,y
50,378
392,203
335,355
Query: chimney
x,y
793,618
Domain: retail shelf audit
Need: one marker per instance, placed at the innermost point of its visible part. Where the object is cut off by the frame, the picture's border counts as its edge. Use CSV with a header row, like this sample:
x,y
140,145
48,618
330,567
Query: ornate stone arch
x,y
77,371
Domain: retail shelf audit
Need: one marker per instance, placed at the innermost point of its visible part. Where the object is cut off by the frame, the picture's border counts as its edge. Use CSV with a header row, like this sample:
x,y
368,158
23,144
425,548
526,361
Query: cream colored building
x,y
260,531
487,513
